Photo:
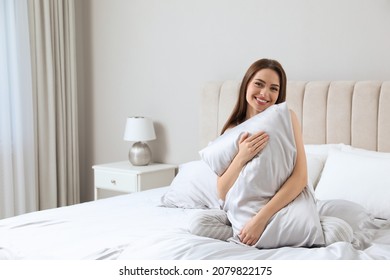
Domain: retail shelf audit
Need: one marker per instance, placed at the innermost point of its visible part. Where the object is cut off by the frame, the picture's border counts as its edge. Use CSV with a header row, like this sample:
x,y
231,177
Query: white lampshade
x,y
139,129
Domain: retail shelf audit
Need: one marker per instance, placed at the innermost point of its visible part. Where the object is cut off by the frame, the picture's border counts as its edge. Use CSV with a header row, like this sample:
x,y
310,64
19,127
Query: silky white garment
x,y
297,224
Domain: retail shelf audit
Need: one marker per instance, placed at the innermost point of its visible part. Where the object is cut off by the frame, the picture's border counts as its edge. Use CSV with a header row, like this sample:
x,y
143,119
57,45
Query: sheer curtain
x,y
39,164
18,188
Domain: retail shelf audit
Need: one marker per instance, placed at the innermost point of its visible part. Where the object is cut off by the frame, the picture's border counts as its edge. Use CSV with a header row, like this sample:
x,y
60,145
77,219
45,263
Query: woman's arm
x,y
248,147
293,186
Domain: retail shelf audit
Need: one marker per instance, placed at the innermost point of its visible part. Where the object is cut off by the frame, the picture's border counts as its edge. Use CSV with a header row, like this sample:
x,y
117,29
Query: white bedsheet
x,y
135,227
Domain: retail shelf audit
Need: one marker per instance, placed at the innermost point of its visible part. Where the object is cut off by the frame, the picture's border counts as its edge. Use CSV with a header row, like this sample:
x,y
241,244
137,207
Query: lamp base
x,y
140,154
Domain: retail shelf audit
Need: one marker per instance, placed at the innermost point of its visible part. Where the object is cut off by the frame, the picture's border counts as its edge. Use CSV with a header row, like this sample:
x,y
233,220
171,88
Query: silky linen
x,y
297,224
135,227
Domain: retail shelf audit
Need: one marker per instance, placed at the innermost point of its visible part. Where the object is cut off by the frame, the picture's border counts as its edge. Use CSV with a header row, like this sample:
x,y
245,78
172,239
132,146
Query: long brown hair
x,y
239,112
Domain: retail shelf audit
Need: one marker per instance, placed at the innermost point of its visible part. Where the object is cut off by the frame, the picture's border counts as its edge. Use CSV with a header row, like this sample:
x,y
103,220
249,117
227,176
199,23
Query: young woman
x,y
286,215
263,85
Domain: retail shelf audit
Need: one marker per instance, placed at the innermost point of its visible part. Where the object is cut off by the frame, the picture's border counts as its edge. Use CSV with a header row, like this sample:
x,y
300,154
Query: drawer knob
x,y
113,182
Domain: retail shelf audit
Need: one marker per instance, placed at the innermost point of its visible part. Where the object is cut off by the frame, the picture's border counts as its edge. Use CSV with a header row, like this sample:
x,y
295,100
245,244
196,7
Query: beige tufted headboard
x,y
354,113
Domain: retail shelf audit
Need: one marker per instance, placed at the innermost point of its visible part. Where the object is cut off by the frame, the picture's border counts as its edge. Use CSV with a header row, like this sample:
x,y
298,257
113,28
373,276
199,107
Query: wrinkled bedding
x,y
135,226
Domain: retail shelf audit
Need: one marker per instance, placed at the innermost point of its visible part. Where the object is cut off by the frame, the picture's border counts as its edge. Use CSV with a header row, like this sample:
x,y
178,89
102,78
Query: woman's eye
x,y
259,84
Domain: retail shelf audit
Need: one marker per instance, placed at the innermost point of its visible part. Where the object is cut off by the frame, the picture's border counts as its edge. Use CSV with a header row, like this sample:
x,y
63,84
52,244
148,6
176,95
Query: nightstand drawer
x,y
121,177
116,181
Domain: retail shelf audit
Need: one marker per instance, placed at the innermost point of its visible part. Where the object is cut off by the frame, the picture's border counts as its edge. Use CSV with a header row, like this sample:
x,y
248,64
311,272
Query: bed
x,y
346,129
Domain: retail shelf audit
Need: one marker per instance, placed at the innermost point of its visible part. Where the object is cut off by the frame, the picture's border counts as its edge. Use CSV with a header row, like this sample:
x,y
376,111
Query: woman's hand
x,y
252,231
250,146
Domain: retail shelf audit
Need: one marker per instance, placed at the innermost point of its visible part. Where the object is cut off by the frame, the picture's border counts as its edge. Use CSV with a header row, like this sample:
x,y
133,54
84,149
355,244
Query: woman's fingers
x,y
257,135
251,145
260,144
259,141
244,136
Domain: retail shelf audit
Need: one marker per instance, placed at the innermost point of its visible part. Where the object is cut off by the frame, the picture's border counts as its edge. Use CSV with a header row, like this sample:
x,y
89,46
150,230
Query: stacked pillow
x,y
195,186
316,156
357,175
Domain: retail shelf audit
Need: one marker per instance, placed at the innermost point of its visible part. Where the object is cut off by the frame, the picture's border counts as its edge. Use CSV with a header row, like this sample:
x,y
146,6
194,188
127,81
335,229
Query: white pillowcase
x,y
321,150
195,186
359,176
297,224
363,152
220,152
316,155
314,168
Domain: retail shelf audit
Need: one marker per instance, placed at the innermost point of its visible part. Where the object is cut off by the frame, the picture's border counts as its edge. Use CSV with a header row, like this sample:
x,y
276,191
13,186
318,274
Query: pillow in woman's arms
x,y
261,178
220,152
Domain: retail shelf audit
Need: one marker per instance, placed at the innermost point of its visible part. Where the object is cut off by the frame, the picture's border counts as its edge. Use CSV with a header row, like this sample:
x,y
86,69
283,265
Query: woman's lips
x,y
261,101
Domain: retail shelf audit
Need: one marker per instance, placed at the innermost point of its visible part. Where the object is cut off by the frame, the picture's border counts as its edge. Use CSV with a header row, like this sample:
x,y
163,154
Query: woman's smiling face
x,y
262,91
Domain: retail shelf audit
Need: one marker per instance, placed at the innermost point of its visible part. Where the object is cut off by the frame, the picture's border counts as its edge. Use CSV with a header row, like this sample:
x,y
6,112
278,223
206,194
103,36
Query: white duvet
x,y
134,226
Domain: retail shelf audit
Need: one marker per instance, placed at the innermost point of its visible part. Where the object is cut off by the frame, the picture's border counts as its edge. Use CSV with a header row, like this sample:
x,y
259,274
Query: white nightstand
x,y
122,177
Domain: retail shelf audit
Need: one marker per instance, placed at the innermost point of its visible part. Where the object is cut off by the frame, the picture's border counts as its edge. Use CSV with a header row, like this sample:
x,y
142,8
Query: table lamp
x,y
139,129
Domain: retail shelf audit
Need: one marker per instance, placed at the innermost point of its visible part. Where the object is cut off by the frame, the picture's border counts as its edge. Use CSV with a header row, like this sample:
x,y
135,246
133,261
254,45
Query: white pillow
x,y
314,168
316,155
195,186
363,152
321,150
359,176
220,152
297,224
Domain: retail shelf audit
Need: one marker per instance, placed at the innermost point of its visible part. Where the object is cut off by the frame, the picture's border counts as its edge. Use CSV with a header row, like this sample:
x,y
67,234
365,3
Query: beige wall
x,y
152,57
